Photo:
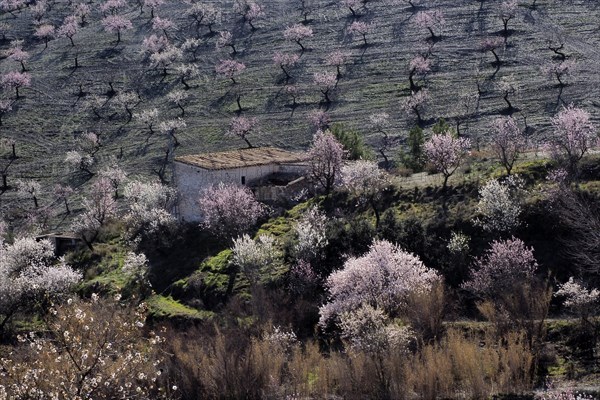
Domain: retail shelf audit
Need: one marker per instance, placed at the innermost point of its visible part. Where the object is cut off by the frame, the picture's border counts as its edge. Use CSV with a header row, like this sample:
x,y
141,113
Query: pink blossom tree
x,y
507,141
431,20
415,102
16,53
559,71
185,72
163,25
506,264
204,14
226,40
229,210
45,32
69,28
325,158
16,80
574,134
29,275
506,12
230,69
337,59
149,207
360,28
116,23
383,278
446,153
319,119
153,5
326,81
99,207
10,6
380,123
285,62
5,107
62,194
352,5
178,97
492,44
249,10
112,6
297,33
241,127
170,128
420,66
367,182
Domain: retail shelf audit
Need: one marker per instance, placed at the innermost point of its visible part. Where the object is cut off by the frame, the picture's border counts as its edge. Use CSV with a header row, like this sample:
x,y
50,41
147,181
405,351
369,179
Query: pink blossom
x,y
383,278
242,127
359,28
506,263
507,141
325,157
229,69
319,119
446,153
297,33
69,28
16,80
116,23
326,81
431,20
162,24
45,32
574,135
229,210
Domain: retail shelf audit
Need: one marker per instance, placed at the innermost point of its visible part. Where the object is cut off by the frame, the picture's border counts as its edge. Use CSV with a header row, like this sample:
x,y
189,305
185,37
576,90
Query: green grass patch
x,y
166,307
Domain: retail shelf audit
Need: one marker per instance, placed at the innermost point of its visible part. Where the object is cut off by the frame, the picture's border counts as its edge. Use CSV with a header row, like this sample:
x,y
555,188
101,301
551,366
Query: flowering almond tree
x,y
116,24
69,28
574,134
559,71
149,207
297,33
579,299
99,207
249,10
507,141
16,80
492,44
241,127
225,39
90,349
446,153
229,210
360,29
230,69
45,32
325,157
431,20
383,278
337,59
326,81
29,274
366,181
507,11
419,65
285,62
204,14
415,102
507,263
500,205
16,53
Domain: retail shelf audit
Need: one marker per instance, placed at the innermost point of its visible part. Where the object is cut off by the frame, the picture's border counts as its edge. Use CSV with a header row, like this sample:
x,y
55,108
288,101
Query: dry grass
x,y
223,366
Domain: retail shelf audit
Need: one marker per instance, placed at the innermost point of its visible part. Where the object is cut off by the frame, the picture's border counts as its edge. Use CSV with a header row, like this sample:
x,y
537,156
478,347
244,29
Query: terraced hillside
x,y
49,117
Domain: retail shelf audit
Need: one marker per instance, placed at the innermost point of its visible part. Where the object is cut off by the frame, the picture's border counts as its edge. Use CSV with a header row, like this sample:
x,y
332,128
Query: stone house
x,y
271,173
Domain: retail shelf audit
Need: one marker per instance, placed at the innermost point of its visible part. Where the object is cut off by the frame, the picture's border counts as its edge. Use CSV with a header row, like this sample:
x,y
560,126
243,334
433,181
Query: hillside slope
x,y
48,118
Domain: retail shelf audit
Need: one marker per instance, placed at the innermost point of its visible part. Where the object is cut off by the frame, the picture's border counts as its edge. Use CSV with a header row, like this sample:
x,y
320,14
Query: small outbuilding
x,y
270,172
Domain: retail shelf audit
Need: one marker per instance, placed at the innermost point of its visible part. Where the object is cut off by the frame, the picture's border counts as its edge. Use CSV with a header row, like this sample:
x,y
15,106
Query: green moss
x,y
167,307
